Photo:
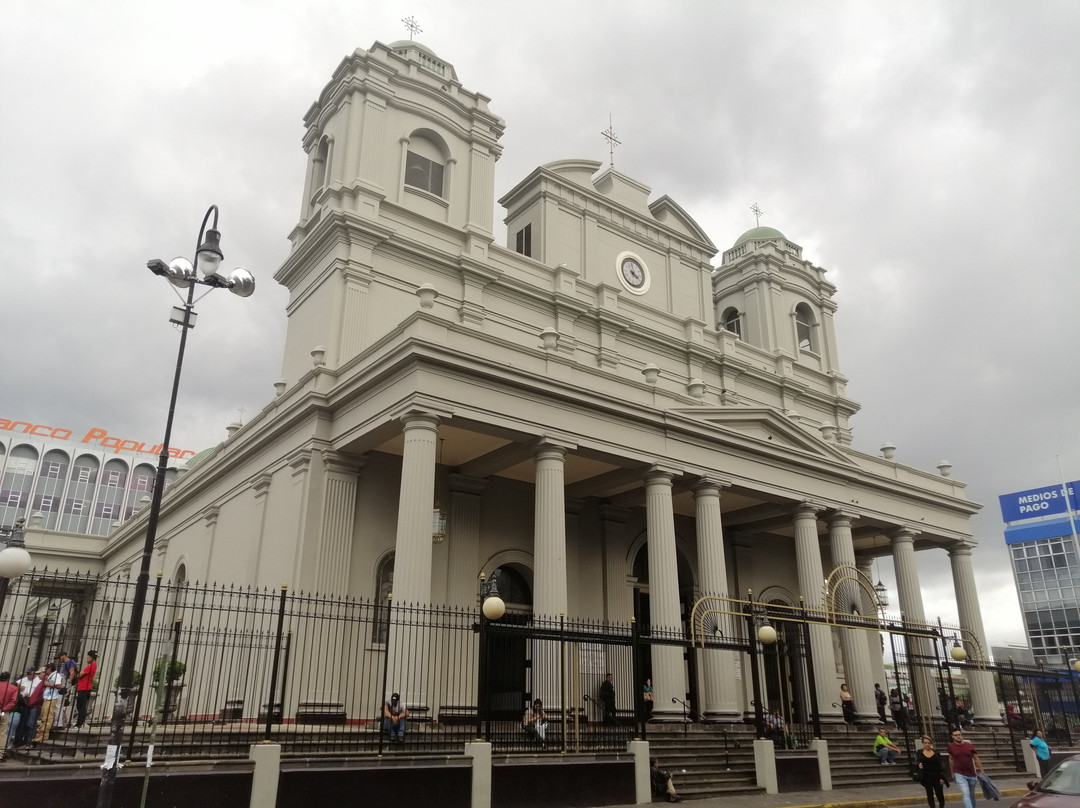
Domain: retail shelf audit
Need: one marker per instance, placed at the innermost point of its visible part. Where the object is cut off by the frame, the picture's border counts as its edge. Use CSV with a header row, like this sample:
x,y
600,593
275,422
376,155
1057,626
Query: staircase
x,y
706,760
852,760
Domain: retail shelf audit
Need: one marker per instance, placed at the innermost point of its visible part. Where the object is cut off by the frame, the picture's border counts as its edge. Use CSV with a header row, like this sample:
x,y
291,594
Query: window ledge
x,y
412,189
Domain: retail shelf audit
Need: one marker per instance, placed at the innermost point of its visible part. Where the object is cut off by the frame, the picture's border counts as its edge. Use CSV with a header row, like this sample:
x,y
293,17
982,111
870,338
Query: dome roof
x,y
199,458
759,234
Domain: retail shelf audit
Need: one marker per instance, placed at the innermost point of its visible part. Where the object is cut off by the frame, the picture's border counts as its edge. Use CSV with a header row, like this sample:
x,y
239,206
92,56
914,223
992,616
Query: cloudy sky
x,y
925,153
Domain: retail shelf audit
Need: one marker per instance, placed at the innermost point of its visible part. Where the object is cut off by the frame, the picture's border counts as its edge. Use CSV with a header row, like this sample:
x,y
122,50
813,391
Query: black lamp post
x,y
184,275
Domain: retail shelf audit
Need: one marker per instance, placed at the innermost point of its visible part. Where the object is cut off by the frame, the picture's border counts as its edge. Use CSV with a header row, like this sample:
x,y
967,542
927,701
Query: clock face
x,y
633,273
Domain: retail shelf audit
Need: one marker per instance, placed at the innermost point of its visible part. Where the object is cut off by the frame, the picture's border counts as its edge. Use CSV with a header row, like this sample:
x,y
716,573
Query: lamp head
x,y
958,652
179,271
494,607
15,561
241,282
209,256
766,634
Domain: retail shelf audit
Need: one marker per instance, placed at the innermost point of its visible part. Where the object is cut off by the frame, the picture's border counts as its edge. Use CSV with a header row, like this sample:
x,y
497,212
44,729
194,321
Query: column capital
x,y
903,535
710,483
658,471
415,418
546,449
961,548
614,513
341,463
550,442
464,484
841,517
808,510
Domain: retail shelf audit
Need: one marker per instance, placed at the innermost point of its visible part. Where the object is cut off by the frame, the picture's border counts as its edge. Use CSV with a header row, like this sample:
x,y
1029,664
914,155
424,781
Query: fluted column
x,y
873,638
911,608
463,529
721,694
618,603
338,516
669,677
983,694
857,669
412,560
549,531
811,582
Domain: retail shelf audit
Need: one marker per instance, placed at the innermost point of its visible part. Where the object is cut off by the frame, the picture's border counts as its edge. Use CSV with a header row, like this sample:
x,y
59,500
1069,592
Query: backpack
x,y
22,704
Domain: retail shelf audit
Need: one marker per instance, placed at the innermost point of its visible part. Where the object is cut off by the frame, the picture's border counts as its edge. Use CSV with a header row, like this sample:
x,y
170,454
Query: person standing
x,y
84,688
964,767
847,704
880,699
607,700
9,694
932,773
69,669
52,681
1042,751
32,690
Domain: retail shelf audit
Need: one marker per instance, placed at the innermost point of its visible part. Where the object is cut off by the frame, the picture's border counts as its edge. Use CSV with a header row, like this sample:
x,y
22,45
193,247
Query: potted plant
x,y
171,671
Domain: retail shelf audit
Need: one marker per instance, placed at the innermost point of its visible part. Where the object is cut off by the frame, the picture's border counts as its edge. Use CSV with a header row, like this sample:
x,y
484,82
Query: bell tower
x,y
396,148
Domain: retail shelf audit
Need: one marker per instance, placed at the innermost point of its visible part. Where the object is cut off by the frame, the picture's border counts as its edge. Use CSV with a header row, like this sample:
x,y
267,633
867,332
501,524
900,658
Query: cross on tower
x,y
241,411
757,211
609,136
413,26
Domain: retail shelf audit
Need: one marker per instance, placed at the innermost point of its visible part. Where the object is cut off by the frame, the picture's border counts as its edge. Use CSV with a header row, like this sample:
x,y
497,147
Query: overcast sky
x,y
924,153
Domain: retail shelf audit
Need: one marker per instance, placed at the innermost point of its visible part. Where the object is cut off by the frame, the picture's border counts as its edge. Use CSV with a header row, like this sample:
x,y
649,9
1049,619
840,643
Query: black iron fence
x,y
223,667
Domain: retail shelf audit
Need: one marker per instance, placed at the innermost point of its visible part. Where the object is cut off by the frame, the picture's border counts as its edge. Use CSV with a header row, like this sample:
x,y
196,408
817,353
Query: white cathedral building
x,y
605,415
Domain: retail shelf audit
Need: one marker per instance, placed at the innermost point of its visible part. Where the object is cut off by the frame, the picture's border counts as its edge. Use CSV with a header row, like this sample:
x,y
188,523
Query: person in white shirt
x,y
53,680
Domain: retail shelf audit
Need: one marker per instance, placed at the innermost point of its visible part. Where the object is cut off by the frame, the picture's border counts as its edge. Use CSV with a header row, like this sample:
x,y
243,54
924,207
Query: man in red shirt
x,y
964,766
85,688
8,694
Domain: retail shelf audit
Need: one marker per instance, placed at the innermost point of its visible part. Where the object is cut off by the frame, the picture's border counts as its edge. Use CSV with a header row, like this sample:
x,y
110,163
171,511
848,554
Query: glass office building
x,y
1043,549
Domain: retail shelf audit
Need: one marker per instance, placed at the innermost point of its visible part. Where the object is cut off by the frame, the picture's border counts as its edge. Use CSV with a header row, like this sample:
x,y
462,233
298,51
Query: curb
x,y
894,801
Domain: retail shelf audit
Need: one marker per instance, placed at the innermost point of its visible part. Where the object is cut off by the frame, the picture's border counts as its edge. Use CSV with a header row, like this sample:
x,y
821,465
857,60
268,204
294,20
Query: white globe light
x,y
14,561
1076,666
494,608
767,634
958,653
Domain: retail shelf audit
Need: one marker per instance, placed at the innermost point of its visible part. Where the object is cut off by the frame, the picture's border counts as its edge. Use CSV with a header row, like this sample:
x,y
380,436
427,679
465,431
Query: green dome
x,y
759,234
199,458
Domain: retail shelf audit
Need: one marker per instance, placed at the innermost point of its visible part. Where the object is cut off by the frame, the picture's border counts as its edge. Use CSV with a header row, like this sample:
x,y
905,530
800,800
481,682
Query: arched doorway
x,y
782,662
511,675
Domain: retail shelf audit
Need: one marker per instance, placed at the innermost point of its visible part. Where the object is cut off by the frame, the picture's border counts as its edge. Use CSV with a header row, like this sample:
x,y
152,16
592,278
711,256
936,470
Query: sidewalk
x,y
871,796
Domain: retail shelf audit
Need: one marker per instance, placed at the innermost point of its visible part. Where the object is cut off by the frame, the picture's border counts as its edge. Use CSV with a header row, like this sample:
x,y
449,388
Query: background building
x,y
1043,548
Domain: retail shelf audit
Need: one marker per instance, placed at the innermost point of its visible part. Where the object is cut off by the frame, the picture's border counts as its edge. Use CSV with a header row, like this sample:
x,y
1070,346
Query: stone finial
x,y
233,428
318,356
279,388
828,432
696,388
945,468
549,337
651,373
427,294
888,451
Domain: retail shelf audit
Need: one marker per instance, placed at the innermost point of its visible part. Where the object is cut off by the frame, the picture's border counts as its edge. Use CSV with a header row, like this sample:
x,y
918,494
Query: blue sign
x,y
1037,502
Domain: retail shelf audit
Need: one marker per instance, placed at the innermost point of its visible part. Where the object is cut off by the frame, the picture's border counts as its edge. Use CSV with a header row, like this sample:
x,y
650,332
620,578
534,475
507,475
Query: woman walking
x,y
932,771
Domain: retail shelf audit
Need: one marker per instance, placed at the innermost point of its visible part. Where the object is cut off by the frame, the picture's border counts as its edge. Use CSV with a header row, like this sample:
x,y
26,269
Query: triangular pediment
x,y
767,426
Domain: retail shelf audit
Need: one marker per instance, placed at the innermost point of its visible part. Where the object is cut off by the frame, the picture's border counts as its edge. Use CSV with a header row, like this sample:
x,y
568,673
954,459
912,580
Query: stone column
x,y
911,609
669,675
721,695
983,694
549,533
463,529
811,583
412,560
618,603
338,517
873,639
849,600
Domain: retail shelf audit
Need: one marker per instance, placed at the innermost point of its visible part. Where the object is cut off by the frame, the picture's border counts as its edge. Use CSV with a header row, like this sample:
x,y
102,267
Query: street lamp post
x,y
14,560
183,274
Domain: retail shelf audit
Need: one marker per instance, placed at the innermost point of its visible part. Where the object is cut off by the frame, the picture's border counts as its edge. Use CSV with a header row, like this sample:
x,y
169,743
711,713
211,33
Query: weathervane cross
x,y
609,136
413,26
242,411
757,211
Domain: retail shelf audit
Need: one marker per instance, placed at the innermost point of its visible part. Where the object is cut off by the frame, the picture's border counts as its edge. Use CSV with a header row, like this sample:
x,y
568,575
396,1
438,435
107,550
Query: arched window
x,y
320,165
805,328
425,165
731,321
384,587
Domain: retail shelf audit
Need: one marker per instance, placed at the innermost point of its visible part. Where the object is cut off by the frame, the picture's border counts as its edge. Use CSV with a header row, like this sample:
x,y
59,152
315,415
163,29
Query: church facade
x,y
595,412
